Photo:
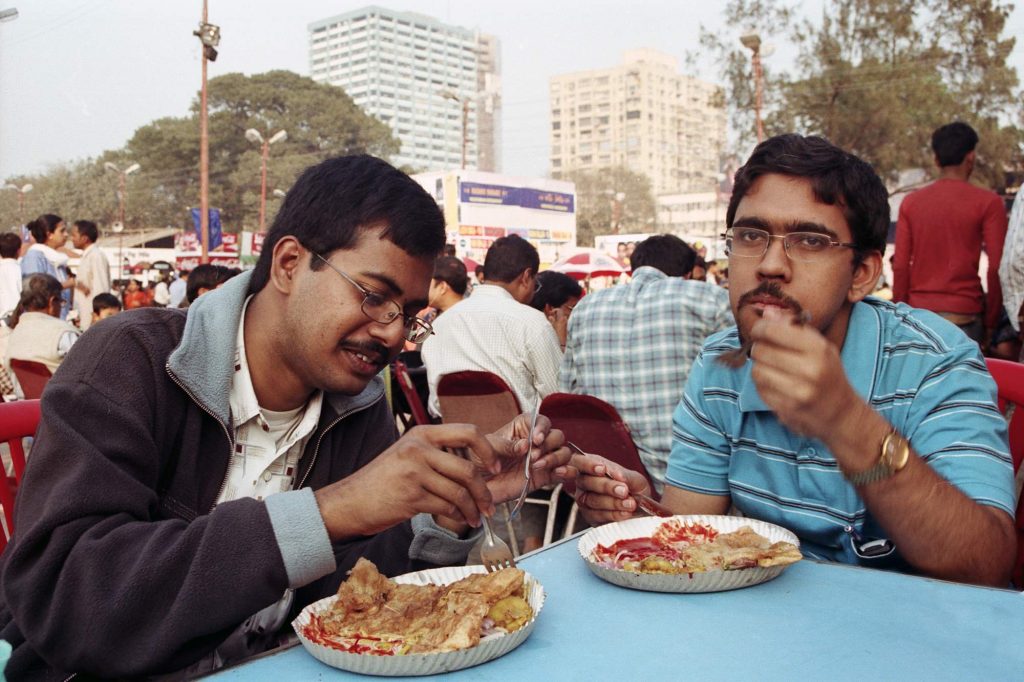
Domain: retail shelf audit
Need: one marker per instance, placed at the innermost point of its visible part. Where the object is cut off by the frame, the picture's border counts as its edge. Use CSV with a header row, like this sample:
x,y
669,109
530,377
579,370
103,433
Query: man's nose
x,y
775,262
391,334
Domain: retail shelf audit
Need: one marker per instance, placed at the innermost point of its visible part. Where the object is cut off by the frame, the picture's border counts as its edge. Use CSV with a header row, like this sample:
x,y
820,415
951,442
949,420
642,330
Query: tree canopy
x,y
876,77
320,119
601,210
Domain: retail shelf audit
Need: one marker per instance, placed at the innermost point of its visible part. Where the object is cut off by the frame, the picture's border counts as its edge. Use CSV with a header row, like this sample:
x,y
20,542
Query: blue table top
x,y
814,621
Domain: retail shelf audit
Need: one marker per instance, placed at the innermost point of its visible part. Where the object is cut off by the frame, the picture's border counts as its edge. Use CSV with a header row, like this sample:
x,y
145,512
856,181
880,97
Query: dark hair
x,y
449,250
43,226
331,203
837,178
105,301
508,257
36,293
10,245
556,288
207,276
952,142
665,252
88,229
453,271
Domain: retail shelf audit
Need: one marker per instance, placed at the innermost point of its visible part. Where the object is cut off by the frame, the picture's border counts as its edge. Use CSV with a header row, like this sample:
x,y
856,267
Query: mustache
x,y
770,290
369,348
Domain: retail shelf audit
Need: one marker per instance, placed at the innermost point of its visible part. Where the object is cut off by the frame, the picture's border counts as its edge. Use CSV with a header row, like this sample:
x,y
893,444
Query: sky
x,y
78,77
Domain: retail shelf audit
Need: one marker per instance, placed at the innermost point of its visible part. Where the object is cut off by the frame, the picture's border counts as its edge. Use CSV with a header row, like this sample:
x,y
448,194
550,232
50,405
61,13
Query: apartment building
x,y
642,114
437,86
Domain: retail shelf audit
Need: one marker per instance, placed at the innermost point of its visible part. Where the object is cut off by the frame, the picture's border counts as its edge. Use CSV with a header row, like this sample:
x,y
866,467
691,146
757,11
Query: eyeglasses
x,y
750,242
381,309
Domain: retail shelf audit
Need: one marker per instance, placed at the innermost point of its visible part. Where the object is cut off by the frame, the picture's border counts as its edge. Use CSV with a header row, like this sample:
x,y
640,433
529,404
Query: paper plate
x,y
423,664
709,581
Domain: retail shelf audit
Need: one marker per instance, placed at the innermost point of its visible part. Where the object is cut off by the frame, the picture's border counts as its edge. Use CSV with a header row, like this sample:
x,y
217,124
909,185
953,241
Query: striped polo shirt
x,y
914,368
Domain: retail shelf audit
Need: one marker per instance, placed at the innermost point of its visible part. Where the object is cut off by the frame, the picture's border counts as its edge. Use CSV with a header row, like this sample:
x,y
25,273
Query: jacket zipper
x,y
319,440
227,431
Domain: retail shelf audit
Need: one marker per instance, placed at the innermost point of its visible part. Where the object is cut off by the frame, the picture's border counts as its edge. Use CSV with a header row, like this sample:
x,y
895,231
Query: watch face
x,y
896,451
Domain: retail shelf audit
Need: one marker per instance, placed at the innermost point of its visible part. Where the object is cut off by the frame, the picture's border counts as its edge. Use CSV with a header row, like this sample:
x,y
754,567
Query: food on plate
x,y
683,547
375,615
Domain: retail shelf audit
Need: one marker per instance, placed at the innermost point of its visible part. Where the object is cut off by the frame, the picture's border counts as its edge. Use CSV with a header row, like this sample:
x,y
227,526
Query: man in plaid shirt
x,y
633,345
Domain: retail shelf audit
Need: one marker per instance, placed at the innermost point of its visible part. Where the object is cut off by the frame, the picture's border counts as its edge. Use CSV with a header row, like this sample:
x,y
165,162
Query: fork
x,y
645,503
495,553
527,472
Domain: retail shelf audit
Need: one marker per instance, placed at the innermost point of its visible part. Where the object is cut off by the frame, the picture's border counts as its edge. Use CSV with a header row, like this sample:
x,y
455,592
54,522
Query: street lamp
x,y
22,191
8,14
464,101
752,41
118,226
254,136
209,36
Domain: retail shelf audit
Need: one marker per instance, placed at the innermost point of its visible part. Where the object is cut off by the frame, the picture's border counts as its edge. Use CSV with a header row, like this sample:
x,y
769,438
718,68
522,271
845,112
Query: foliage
x,y
598,211
876,77
321,121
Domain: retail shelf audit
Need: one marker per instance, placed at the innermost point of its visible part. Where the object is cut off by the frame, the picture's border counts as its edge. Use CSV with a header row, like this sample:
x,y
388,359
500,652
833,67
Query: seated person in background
x,y
37,332
204,278
869,421
134,295
632,345
103,306
198,478
448,284
556,296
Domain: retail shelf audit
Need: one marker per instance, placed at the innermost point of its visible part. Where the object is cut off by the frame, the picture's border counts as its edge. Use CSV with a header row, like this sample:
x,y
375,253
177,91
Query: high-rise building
x,y
643,115
437,86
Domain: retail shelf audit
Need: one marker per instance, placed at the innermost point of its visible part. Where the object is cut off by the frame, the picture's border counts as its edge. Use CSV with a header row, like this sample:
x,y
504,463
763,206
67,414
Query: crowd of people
x,y
232,461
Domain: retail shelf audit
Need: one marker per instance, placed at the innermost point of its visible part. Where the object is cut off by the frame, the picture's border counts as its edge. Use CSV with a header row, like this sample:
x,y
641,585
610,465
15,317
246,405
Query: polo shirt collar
x,y
860,356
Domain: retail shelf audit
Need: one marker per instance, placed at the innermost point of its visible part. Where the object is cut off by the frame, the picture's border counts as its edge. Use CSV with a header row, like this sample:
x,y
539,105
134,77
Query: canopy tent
x,y
587,263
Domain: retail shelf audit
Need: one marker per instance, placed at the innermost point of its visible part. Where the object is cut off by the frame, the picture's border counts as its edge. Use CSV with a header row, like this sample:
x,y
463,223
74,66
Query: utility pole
x,y
752,42
209,36
464,101
255,137
122,190
22,191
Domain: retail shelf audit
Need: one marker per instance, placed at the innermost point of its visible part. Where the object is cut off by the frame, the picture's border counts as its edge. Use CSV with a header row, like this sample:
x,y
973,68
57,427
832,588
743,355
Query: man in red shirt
x,y
939,237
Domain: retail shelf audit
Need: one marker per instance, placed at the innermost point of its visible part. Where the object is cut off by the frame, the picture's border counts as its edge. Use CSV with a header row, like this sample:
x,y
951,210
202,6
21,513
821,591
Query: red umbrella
x,y
471,265
589,263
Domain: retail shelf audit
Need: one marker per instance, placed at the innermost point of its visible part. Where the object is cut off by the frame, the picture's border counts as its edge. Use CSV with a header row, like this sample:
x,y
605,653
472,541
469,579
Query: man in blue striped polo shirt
x,y
843,418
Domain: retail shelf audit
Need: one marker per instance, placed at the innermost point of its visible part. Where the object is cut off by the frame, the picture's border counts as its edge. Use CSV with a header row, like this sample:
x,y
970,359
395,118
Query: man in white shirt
x,y
93,275
495,330
10,272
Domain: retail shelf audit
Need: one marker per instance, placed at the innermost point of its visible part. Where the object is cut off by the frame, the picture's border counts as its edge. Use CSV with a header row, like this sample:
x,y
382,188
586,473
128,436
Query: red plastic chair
x,y
480,398
18,420
32,377
595,426
1009,378
412,398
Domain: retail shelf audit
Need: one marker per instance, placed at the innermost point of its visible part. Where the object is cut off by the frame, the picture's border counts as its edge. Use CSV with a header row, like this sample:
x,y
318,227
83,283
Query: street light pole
x,y
752,42
464,101
118,226
254,136
209,36
27,187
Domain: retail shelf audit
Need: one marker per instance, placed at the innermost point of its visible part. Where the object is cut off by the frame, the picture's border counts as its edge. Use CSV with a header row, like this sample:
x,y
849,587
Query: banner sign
x,y
215,231
479,193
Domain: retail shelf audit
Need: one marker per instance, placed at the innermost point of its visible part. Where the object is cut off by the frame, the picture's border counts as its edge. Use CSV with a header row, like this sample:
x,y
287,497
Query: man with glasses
x,y
197,480
632,345
869,429
496,330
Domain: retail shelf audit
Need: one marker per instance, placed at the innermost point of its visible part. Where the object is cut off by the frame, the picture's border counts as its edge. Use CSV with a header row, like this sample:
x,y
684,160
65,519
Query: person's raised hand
x,y
603,488
545,447
415,475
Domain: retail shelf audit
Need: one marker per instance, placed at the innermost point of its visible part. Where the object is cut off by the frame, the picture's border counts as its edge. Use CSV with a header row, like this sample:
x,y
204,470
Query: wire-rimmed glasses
x,y
380,308
751,242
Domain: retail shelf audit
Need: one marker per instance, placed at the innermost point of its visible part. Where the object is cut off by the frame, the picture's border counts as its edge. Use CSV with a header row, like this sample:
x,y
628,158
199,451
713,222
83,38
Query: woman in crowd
x,y
557,294
46,255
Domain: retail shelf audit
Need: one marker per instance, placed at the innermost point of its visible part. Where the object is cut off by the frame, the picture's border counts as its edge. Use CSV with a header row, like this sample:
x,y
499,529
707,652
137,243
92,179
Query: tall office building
x,y
643,115
437,86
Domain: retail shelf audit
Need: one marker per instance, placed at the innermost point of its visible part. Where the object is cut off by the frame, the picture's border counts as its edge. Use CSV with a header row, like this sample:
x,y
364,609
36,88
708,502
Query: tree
x,y
877,76
600,211
321,121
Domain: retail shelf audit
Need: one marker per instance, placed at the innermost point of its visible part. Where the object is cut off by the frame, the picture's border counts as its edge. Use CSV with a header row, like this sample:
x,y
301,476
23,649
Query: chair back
x,y
594,426
479,398
18,420
409,394
32,377
1009,378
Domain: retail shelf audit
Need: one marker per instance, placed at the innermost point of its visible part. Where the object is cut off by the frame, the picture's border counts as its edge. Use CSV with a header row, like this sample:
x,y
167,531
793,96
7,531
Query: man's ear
x,y
288,254
865,276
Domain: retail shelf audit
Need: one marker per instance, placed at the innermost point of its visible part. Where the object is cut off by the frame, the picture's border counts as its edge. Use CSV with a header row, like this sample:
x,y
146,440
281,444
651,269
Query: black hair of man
x,y
508,257
453,271
10,245
449,250
665,252
43,226
837,178
88,229
207,276
105,301
952,142
36,293
332,202
555,289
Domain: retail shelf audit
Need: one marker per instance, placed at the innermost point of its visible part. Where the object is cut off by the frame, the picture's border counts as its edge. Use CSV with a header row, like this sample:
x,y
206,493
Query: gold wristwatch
x,y
895,453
